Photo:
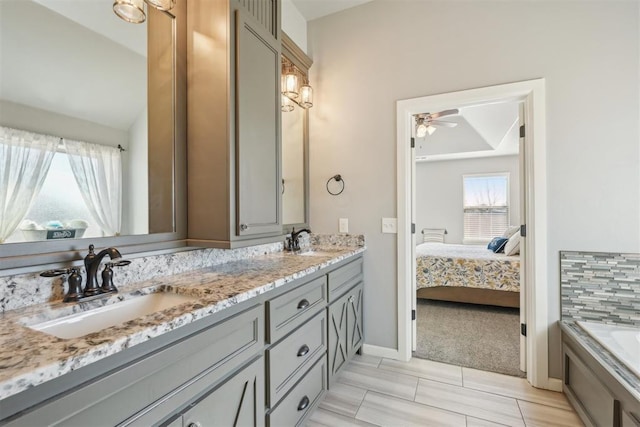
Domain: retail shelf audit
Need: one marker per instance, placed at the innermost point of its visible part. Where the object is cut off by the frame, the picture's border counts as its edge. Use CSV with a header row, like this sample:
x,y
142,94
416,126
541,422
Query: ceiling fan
x,y
427,122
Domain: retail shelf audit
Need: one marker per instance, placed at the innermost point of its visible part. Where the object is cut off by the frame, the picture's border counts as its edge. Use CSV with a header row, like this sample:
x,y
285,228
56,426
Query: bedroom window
x,y
486,206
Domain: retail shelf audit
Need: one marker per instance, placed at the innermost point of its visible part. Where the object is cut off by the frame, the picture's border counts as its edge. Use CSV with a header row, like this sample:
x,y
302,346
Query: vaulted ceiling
x,y
482,131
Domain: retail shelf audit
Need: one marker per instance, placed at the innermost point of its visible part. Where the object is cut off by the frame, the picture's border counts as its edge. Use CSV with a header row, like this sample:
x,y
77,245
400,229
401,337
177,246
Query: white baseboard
x,y
374,350
554,384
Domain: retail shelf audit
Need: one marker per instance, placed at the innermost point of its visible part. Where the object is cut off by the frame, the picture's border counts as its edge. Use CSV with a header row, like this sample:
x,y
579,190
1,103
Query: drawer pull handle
x,y
303,350
194,424
303,304
303,404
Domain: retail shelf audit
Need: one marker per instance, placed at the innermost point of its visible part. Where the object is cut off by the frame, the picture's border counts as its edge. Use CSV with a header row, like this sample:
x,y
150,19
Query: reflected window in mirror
x,y
74,72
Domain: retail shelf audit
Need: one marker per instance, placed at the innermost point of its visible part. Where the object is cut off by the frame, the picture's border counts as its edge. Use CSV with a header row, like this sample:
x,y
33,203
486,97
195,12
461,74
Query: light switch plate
x,y
389,225
344,225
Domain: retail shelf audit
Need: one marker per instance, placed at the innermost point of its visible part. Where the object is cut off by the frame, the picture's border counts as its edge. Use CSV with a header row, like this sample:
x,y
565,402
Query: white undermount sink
x,y
87,322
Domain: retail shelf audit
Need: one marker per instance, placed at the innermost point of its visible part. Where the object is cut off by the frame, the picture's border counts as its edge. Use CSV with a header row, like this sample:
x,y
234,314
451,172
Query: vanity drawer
x,y
290,358
302,399
288,311
343,278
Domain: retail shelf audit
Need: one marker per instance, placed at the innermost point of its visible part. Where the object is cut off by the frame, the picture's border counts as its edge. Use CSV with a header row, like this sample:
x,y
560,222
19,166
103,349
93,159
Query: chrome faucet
x,y
293,243
91,265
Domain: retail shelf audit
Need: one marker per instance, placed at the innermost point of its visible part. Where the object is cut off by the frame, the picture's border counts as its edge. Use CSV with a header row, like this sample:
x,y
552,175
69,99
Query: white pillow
x,y
510,231
513,245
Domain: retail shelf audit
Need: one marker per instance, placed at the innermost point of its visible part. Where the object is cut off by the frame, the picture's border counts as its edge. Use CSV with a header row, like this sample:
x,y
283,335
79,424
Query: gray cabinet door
x,y
337,335
238,402
355,334
258,196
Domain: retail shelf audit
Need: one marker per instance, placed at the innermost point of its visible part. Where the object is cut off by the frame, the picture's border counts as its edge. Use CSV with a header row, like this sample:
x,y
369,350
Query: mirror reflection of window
x,y
59,198
72,69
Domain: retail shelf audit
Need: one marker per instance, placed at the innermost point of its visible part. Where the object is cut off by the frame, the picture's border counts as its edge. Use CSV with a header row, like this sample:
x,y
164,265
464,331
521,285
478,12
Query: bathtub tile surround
x,y
23,290
601,287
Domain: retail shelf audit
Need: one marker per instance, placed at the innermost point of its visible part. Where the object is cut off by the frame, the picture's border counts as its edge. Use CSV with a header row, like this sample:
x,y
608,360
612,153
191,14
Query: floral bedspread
x,y
441,264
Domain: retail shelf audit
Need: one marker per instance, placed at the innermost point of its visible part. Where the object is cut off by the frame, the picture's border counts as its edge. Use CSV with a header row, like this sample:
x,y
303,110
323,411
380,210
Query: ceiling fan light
x,y
430,129
421,130
161,4
130,10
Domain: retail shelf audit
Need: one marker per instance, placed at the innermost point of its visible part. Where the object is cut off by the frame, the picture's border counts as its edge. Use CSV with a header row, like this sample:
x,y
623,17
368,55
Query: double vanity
x,y
250,342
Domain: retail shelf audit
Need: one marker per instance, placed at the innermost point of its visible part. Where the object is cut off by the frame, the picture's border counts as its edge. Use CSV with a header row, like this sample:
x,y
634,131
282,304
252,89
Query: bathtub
x,y
622,341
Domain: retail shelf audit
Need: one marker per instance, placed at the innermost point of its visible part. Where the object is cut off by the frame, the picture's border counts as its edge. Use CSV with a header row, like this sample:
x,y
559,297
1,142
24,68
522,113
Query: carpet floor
x,y
475,336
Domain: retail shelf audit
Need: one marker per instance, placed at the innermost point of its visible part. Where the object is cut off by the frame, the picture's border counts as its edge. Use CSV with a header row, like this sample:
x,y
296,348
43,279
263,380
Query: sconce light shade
x,y
287,104
290,84
306,96
130,10
161,4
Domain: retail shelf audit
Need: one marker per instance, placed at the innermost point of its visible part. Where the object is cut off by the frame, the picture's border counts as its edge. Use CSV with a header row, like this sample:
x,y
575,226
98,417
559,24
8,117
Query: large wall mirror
x,y
92,129
295,148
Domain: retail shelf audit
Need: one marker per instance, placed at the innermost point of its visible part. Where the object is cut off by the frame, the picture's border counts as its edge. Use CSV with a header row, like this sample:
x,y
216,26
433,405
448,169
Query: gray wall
x,y
368,57
439,192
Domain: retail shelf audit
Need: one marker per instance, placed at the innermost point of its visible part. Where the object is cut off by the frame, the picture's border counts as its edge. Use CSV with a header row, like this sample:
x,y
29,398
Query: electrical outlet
x,y
344,225
389,225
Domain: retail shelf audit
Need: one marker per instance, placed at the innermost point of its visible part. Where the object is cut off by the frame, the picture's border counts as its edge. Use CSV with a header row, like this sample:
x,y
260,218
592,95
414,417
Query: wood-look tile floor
x,y
372,391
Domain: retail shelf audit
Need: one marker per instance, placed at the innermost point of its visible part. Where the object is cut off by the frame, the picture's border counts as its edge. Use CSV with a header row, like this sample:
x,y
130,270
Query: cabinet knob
x,y
303,404
243,227
194,424
351,298
303,350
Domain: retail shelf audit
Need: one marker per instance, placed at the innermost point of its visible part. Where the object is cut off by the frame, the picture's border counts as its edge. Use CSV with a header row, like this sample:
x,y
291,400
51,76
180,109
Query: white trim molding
x,y
374,350
532,93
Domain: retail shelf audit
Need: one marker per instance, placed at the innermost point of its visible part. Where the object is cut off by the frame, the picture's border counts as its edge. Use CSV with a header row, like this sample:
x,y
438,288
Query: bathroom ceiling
x,y
314,9
483,131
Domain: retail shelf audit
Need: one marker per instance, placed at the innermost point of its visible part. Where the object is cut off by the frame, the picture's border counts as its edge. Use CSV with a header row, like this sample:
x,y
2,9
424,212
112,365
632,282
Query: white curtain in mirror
x,y
25,158
98,172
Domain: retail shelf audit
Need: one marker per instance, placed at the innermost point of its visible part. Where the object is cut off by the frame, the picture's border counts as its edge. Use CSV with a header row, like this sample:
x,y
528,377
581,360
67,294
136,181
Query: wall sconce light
x,y
130,10
133,10
163,5
302,95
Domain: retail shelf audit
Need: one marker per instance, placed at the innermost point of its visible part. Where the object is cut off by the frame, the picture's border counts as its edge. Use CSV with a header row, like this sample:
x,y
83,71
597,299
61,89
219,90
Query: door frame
x,y
532,93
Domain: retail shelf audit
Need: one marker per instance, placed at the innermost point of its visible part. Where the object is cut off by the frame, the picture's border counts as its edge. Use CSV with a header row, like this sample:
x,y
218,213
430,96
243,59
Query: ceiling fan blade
x,y
443,113
443,124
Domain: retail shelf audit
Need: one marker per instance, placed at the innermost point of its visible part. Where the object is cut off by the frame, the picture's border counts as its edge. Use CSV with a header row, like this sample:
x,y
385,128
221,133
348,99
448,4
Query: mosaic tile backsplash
x,y
601,287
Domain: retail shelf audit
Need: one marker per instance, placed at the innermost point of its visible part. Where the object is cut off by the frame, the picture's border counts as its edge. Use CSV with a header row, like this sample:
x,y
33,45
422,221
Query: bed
x,y
467,273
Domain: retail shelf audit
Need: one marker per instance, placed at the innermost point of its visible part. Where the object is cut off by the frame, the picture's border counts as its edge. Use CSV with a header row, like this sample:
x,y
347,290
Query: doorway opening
x,y
467,203
533,247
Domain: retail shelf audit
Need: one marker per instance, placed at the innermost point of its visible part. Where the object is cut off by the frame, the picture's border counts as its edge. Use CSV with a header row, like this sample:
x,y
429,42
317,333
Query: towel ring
x,y
337,178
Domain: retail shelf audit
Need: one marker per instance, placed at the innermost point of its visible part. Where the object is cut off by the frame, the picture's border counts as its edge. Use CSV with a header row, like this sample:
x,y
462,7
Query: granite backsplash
x,y
22,290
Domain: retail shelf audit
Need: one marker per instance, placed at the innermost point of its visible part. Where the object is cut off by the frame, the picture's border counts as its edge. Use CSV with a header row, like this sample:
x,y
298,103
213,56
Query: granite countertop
x,y
29,357
617,369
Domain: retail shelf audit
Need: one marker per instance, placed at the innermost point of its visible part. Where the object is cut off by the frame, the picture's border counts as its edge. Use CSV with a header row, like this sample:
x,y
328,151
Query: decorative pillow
x,y
497,244
513,245
510,231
